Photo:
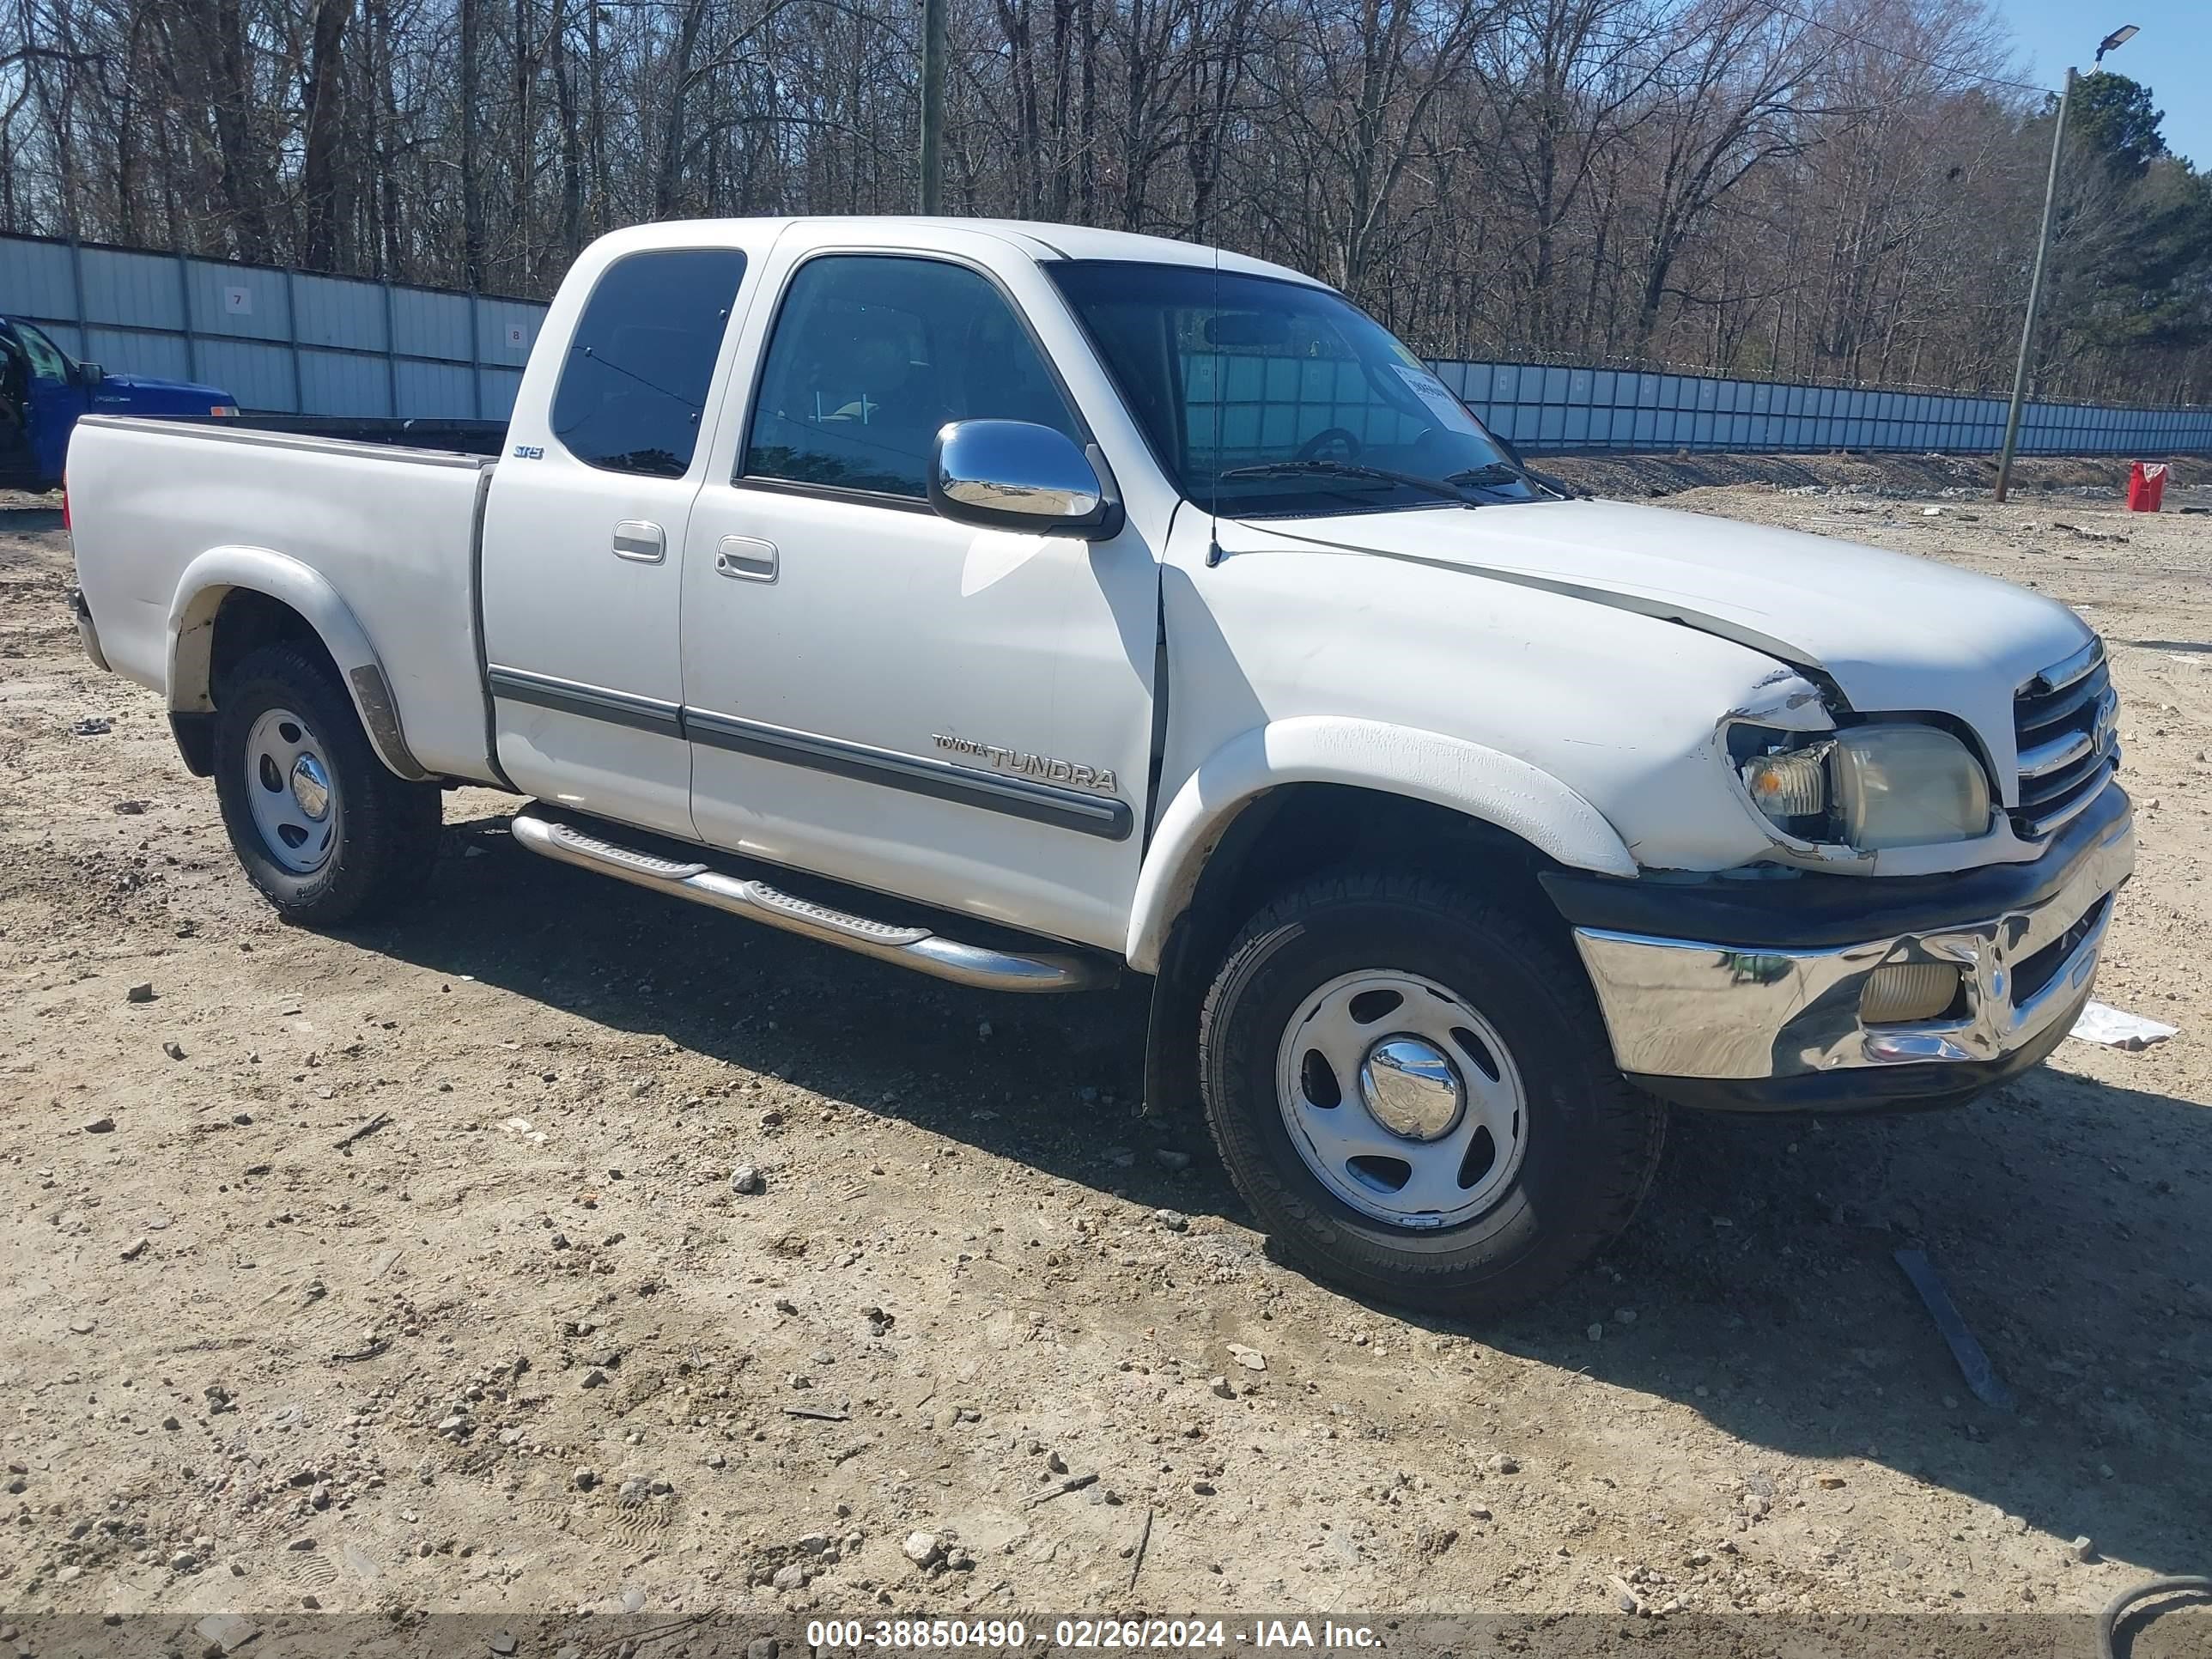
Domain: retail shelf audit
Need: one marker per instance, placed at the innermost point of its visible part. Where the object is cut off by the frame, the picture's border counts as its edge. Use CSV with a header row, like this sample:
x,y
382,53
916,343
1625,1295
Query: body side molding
x,y
598,702
1081,810
1085,812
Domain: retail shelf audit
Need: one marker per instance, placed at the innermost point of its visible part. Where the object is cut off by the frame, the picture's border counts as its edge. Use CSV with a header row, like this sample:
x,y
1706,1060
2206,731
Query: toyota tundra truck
x,y
1031,606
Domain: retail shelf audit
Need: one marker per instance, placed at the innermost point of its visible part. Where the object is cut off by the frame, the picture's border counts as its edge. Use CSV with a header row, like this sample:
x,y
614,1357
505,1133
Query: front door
x,y
880,695
54,400
18,470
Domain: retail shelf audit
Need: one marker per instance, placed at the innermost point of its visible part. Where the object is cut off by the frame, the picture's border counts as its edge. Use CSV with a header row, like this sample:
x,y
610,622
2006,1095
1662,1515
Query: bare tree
x,y
1815,190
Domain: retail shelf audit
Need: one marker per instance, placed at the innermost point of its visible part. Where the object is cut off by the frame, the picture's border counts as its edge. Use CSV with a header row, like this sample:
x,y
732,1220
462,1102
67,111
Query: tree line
x,y
1832,189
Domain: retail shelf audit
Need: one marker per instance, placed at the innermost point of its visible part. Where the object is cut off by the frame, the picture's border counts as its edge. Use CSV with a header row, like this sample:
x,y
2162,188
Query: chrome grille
x,y
2067,723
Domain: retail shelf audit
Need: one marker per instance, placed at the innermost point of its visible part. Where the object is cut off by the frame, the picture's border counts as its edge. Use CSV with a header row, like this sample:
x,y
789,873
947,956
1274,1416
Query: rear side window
x,y
873,353
634,389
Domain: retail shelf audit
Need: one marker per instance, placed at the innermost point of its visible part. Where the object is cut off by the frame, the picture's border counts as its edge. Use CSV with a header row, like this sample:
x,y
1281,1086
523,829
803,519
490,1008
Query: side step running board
x,y
741,895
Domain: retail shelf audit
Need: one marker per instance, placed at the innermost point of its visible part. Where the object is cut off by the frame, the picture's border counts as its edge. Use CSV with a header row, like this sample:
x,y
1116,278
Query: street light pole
x,y
2119,37
2034,296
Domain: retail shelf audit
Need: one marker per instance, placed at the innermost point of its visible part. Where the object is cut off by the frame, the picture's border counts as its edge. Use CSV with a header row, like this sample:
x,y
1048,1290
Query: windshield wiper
x,y
1496,472
1499,472
1319,469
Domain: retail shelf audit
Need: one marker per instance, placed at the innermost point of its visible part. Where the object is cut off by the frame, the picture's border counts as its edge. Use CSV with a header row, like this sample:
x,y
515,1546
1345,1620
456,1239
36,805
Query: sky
x,y
2172,55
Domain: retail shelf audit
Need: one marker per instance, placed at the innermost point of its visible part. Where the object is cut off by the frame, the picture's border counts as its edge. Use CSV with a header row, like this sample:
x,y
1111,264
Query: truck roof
x,y
1043,241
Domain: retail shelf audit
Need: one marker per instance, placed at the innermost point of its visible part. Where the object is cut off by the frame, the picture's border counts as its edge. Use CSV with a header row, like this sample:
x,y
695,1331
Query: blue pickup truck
x,y
43,390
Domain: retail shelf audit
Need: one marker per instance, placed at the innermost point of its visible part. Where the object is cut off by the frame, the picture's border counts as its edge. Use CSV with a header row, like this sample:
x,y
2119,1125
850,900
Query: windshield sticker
x,y
1442,404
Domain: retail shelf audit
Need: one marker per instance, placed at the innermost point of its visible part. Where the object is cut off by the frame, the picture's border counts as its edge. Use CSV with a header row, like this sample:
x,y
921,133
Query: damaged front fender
x,y
1786,702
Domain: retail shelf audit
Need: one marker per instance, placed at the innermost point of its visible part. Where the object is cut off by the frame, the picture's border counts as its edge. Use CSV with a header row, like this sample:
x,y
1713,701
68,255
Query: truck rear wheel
x,y
319,824
1414,1092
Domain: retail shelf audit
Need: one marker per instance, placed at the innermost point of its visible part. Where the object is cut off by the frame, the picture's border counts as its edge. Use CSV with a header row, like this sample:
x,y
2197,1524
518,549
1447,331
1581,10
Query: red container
x,y
2146,487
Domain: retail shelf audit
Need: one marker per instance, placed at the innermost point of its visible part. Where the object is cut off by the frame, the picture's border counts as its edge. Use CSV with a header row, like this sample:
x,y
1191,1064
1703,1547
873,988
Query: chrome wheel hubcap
x,y
1410,1088
295,800
1401,1098
311,787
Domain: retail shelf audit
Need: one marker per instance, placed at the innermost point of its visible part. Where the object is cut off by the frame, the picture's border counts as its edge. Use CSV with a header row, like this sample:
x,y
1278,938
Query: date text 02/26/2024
x,y
918,1635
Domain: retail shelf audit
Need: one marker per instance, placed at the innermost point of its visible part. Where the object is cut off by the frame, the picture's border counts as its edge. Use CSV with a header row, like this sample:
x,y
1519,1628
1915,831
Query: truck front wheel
x,y
320,825
1412,1089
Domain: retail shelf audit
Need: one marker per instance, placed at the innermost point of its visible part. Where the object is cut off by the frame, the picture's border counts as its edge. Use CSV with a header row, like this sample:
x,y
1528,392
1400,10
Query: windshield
x,y
1264,396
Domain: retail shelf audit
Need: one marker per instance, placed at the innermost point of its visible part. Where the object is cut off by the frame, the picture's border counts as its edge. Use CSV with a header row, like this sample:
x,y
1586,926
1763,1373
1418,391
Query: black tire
x,y
386,837
1591,1142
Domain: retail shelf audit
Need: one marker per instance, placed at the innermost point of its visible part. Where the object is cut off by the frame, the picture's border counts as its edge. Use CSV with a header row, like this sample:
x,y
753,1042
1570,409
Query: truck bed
x,y
392,529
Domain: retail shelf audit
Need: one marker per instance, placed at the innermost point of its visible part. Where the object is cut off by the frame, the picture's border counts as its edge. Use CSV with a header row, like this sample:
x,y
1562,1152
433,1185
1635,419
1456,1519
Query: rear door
x,y
584,526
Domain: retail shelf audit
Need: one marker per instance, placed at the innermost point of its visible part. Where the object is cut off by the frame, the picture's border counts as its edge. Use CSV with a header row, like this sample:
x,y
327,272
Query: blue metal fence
x,y
283,341
295,343
1543,407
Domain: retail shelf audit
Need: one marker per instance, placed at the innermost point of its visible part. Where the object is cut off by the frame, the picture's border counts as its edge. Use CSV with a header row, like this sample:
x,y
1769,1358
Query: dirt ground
x,y
403,1270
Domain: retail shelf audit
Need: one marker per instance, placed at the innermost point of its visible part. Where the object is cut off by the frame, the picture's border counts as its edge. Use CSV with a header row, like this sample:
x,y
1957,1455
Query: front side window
x,y
1264,395
634,388
48,361
871,354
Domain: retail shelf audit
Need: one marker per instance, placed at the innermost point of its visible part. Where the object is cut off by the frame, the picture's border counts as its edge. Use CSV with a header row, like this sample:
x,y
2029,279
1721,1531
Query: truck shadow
x,y
2068,1217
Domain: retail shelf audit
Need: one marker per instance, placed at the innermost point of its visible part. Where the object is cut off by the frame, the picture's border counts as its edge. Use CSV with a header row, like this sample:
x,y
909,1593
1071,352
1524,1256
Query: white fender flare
x,y
1427,766
208,579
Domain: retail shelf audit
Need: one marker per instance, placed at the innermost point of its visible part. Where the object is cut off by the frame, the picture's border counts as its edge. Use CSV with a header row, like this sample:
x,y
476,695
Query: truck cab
x,y
44,391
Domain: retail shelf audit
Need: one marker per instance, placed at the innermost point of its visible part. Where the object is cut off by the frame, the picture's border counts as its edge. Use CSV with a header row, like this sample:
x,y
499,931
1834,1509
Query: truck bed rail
x,y
465,437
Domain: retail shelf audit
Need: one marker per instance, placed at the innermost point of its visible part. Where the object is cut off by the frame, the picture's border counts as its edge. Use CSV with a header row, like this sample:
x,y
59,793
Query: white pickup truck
x,y
1029,604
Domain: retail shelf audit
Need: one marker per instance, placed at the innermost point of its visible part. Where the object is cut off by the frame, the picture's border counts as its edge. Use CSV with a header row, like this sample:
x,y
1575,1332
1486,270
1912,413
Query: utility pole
x,y
2119,37
932,105
2035,296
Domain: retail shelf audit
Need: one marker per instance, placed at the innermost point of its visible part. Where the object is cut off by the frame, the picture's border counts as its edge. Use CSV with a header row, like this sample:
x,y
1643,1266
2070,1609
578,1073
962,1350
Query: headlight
x,y
1908,786
1869,788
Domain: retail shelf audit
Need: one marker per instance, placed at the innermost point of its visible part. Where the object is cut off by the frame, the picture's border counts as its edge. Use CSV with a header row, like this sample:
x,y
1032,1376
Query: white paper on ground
x,y
2117,1028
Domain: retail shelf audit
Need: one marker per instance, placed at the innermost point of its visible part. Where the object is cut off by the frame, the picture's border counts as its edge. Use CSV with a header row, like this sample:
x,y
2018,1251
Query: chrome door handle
x,y
641,541
747,560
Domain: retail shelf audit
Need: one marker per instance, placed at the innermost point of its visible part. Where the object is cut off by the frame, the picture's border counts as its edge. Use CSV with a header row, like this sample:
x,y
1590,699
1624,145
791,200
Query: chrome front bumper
x,y
1679,1008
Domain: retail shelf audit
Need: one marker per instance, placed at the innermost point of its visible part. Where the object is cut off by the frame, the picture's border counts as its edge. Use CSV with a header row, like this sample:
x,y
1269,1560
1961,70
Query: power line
x,y
1910,57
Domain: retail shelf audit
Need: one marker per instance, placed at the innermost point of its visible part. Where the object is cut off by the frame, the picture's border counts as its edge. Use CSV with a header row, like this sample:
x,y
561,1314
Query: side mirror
x,y
1015,475
91,373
